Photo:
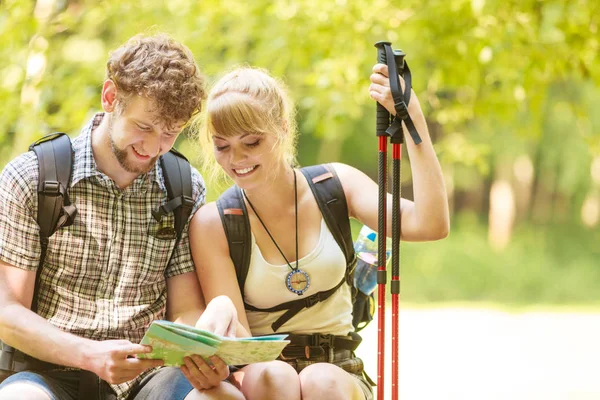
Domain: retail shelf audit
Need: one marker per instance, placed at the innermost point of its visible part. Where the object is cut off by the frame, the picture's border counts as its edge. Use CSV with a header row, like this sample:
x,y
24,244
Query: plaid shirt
x,y
104,277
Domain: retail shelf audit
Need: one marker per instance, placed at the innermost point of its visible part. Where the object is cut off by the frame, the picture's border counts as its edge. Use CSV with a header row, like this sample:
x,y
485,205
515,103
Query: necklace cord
x,y
269,233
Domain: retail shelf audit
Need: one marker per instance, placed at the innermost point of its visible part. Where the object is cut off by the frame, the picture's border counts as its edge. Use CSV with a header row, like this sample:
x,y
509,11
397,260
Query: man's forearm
x,y
24,330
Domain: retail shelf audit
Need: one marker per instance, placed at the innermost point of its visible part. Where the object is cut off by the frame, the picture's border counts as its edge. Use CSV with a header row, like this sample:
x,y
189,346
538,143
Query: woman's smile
x,y
243,172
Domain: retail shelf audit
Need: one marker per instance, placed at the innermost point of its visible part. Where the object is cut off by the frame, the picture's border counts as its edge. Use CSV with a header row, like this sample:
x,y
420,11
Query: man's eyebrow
x,y
173,131
142,122
176,129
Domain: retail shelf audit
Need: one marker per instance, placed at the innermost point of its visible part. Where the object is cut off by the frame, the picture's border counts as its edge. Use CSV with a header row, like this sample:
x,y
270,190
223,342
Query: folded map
x,y
171,342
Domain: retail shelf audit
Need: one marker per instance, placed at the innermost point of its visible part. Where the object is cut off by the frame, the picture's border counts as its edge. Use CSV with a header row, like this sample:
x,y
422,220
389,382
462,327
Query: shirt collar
x,y
84,165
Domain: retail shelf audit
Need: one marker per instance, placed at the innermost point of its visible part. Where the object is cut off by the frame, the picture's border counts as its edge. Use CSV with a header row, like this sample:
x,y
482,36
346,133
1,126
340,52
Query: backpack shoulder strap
x,y
236,224
55,161
177,173
329,193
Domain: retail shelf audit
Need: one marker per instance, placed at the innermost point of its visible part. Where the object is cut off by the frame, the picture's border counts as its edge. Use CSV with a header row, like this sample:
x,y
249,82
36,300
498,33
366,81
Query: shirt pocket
x,y
161,237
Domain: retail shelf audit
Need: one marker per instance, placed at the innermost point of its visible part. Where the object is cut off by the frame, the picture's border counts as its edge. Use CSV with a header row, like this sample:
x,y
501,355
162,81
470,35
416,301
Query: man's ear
x,y
109,95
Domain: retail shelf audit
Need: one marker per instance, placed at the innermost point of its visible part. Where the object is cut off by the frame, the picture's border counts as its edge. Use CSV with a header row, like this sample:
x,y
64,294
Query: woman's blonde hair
x,y
248,100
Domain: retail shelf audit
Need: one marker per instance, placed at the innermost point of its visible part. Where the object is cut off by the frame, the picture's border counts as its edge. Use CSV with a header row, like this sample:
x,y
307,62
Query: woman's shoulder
x,y
343,171
354,182
207,219
347,174
207,234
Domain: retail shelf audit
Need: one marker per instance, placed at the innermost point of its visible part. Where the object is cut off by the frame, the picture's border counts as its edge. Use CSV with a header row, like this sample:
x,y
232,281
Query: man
x,y
110,274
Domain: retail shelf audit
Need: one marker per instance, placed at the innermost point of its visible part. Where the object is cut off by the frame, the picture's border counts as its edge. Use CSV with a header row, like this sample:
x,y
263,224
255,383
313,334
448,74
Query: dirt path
x,y
467,354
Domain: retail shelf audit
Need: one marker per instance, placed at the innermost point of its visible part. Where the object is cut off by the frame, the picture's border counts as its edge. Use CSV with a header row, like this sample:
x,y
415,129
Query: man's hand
x,y
114,360
220,317
203,376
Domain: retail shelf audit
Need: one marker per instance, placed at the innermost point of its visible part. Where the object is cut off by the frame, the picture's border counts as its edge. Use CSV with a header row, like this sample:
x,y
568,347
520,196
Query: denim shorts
x,y
344,359
162,384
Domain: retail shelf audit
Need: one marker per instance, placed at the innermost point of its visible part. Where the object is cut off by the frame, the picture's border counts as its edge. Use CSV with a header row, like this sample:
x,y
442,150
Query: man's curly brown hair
x,y
162,70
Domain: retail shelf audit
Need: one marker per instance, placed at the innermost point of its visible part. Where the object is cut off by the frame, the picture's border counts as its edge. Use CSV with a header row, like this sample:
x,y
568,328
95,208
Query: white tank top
x,y
265,287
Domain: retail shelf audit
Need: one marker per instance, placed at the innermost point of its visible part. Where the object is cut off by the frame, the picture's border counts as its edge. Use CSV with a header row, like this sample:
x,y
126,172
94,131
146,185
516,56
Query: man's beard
x,y
123,159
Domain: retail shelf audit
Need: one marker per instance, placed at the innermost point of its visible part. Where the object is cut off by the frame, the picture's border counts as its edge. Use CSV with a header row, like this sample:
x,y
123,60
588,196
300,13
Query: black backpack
x,y
55,211
329,194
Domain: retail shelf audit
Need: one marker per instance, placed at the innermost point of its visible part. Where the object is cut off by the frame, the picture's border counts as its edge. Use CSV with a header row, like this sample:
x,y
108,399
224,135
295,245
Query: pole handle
x,y
383,116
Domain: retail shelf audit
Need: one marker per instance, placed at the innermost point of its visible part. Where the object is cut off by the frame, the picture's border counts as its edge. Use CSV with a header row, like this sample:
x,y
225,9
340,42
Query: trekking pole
x,y
397,139
382,123
396,67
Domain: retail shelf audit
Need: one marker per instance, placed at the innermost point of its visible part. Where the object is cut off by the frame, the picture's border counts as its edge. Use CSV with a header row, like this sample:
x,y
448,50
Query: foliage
x,y
498,80
485,60
547,265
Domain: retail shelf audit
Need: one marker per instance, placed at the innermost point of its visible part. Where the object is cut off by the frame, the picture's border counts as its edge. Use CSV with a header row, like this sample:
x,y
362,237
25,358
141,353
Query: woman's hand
x,y
220,317
201,374
380,91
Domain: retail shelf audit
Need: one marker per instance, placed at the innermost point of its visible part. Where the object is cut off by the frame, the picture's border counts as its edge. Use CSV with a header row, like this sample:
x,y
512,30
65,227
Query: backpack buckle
x,y
312,300
51,188
187,202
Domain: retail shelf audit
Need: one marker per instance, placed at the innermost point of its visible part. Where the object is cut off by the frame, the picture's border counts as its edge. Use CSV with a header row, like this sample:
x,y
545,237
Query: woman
x,y
250,129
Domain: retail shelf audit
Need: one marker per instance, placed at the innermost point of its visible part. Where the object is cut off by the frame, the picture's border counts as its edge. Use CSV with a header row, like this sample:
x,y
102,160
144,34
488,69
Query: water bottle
x,y
365,274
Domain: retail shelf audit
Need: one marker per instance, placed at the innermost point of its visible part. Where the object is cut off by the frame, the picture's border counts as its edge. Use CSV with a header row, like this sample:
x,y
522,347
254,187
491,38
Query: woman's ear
x,y
286,126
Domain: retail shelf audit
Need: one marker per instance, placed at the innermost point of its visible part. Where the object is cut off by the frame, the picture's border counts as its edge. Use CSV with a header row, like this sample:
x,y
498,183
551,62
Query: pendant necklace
x,y
297,281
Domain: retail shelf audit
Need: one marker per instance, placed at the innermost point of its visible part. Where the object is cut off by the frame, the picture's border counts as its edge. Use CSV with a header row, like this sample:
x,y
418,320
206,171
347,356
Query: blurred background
x,y
509,89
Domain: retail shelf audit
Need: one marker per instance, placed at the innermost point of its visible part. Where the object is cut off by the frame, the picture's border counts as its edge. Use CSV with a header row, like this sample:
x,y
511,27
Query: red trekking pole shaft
x,y
397,138
395,284
382,123
381,271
